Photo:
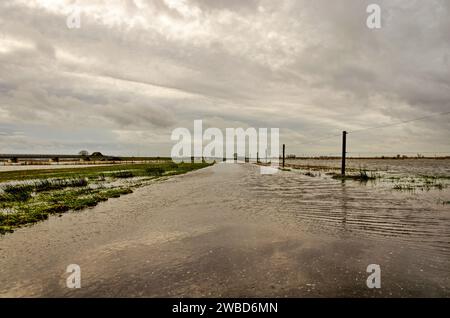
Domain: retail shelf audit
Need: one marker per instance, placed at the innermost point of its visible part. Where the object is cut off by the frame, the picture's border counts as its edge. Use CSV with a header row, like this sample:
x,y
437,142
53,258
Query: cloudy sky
x,y
135,70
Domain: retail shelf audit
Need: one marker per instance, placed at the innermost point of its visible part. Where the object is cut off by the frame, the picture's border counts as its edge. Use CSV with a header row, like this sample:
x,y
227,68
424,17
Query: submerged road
x,y
227,231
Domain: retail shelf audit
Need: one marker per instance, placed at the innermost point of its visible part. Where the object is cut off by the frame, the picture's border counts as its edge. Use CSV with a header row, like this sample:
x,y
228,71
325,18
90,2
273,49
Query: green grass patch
x,y
56,202
59,191
19,193
56,184
155,171
23,192
123,174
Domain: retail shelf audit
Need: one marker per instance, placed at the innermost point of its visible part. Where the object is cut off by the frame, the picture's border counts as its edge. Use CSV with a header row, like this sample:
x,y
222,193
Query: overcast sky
x,y
136,70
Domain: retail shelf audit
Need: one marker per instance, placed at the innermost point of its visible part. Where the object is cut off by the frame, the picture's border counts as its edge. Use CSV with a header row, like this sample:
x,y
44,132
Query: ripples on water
x,y
352,208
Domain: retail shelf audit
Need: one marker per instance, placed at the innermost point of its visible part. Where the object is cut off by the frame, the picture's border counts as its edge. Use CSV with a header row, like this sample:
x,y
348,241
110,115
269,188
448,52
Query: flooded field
x,y
227,230
406,200
415,167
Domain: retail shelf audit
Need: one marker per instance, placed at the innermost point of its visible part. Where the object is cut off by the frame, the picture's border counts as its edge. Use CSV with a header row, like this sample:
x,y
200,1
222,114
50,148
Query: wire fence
x,y
379,153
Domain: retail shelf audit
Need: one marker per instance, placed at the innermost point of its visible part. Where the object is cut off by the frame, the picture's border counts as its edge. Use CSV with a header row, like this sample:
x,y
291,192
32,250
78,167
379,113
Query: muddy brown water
x,y
228,231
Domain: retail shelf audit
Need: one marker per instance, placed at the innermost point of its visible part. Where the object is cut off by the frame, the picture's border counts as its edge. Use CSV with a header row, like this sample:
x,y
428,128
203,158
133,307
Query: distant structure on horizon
x,y
82,156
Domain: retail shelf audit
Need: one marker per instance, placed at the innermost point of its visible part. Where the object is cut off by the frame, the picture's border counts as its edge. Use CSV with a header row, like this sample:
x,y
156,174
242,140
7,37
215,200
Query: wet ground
x,y
229,231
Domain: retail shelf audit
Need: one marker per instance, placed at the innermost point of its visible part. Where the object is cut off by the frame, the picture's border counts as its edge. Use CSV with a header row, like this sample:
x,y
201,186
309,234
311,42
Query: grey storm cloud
x,y
135,70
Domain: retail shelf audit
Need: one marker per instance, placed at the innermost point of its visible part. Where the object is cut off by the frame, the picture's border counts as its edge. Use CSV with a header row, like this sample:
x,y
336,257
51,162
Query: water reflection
x,y
322,204
344,199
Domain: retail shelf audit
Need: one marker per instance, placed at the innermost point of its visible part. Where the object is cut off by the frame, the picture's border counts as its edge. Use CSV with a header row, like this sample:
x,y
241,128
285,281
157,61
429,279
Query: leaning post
x,y
284,150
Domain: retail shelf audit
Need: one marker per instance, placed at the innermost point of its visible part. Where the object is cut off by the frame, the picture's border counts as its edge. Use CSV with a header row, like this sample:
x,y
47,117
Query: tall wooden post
x,y
344,151
284,150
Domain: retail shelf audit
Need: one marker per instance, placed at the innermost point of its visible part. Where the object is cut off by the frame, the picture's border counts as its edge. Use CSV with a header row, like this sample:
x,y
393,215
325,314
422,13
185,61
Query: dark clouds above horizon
x,y
136,70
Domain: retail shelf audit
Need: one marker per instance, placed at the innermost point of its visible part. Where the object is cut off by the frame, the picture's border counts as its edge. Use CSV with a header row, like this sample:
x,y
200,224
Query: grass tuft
x,y
19,193
155,171
123,174
362,176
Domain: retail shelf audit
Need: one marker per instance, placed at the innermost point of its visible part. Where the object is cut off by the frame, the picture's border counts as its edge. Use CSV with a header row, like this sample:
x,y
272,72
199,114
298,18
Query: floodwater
x,y
416,167
228,231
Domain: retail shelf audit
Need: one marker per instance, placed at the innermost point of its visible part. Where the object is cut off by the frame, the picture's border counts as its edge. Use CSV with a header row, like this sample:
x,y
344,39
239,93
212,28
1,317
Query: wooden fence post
x,y
344,151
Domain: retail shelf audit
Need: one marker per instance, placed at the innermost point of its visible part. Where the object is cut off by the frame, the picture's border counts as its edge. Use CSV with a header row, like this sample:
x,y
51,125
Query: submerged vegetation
x,y
396,181
362,176
33,195
423,184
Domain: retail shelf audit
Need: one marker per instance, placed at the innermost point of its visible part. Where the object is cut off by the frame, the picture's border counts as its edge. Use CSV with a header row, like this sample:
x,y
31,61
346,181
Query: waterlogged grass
x,y
89,171
54,202
319,168
312,174
23,192
400,182
123,174
155,171
404,187
16,193
74,189
420,184
362,176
